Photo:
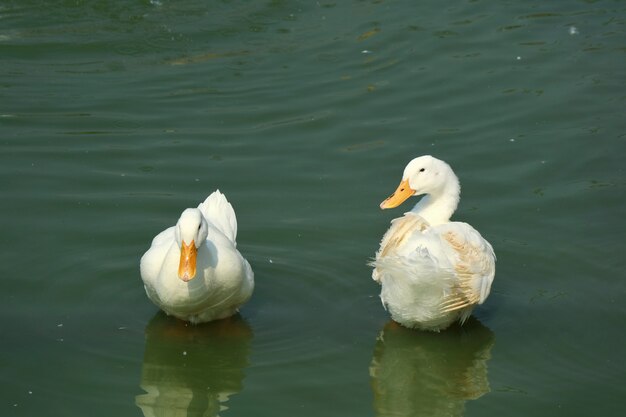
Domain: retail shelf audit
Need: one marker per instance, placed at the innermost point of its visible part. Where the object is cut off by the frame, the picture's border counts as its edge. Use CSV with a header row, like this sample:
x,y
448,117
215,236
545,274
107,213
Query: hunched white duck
x,y
193,271
433,271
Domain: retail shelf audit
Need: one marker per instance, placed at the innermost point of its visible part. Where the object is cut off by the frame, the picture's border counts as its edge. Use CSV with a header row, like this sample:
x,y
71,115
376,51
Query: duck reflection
x,y
417,373
191,370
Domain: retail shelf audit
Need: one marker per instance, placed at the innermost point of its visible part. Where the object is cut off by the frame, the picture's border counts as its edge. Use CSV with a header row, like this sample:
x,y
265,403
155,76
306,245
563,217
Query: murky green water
x,y
115,116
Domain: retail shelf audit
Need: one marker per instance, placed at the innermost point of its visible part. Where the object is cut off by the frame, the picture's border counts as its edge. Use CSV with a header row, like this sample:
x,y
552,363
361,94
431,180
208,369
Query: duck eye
x,y
199,226
423,169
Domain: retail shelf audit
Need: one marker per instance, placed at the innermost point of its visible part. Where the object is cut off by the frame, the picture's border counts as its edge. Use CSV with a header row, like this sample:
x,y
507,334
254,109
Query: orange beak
x,y
187,265
402,193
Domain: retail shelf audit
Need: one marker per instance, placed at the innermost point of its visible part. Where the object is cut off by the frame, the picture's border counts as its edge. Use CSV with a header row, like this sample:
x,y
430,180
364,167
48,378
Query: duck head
x,y
191,233
423,175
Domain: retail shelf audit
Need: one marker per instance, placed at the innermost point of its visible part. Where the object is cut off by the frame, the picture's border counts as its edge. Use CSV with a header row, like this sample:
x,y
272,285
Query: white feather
x,y
223,280
432,271
219,212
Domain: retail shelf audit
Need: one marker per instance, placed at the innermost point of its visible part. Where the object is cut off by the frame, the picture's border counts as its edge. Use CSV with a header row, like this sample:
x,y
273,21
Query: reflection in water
x,y
418,373
191,370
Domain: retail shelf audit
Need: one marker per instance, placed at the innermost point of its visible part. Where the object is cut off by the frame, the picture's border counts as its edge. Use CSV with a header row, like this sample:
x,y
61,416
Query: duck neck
x,y
437,208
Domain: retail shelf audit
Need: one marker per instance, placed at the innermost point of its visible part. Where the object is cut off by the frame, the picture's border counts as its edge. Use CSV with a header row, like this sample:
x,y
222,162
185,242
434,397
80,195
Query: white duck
x,y
193,270
433,271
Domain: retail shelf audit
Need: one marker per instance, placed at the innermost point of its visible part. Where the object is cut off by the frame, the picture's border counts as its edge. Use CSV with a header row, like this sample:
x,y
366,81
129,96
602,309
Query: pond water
x,y
117,115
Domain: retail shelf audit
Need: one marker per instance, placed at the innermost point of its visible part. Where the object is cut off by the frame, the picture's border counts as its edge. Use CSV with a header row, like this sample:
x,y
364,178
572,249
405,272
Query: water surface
x,y
115,116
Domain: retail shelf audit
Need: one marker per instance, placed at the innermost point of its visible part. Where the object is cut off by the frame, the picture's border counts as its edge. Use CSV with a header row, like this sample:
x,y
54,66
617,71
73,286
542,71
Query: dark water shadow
x,y
415,373
192,370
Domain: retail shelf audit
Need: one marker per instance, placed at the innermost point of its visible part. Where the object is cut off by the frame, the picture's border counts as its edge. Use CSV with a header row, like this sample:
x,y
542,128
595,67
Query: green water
x,y
115,116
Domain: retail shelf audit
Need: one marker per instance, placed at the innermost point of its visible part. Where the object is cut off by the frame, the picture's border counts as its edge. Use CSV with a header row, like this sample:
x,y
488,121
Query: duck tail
x,y
218,212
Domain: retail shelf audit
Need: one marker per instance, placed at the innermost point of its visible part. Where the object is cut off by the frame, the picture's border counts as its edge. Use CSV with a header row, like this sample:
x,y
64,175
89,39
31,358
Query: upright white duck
x,y
193,270
433,271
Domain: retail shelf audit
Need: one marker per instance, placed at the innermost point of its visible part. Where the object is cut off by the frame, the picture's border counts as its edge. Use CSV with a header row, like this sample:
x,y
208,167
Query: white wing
x,y
473,260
